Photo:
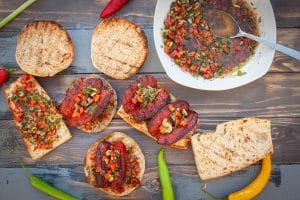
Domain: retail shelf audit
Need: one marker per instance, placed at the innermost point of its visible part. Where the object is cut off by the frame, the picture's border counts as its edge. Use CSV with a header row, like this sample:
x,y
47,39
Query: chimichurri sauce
x,y
190,43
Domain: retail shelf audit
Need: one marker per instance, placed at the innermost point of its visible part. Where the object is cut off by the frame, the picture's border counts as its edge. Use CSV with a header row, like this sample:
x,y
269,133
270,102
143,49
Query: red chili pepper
x,y
4,74
112,7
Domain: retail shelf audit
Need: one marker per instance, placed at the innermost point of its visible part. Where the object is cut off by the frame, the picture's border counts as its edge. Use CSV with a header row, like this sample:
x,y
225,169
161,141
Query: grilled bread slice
x,y
183,143
44,48
130,144
62,132
234,146
119,48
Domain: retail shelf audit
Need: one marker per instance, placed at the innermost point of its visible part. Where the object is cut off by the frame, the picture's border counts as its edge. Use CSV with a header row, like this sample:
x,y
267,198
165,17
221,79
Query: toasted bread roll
x,y
234,146
44,48
119,48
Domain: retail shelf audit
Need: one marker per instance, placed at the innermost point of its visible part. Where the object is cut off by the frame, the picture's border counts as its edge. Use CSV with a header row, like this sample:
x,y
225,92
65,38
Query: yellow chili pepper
x,y
254,188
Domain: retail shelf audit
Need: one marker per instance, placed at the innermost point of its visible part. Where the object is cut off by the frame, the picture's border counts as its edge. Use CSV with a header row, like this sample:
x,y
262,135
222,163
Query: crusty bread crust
x,y
63,131
44,48
96,128
142,127
129,142
119,48
235,145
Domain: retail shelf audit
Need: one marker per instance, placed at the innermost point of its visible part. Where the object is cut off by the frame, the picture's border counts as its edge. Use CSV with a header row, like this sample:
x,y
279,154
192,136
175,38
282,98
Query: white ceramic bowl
x,y
256,67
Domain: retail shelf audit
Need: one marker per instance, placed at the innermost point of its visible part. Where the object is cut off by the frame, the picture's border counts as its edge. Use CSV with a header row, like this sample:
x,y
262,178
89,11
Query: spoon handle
x,y
278,47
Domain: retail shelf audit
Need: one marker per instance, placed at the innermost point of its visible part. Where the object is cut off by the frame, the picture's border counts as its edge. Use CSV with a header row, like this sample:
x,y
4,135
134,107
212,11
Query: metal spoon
x,y
223,24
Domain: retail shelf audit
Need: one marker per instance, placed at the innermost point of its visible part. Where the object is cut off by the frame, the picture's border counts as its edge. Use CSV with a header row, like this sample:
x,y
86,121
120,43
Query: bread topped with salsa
x,y
151,109
115,164
41,126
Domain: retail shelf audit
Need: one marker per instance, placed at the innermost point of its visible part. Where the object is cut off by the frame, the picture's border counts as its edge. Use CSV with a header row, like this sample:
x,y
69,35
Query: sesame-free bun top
x,y
44,48
119,48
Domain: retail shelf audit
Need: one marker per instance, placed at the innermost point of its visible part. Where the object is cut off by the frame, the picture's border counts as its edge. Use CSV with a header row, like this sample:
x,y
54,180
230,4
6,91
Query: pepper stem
x,y
24,168
9,71
204,190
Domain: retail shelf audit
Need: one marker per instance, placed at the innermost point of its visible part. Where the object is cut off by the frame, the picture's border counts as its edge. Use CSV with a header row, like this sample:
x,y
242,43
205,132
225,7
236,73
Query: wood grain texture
x,y
287,13
274,95
285,134
84,14
186,183
82,61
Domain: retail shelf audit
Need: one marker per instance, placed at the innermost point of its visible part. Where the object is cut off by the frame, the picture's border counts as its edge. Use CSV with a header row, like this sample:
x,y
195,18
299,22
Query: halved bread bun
x,y
44,48
234,146
129,143
119,48
63,132
110,110
142,127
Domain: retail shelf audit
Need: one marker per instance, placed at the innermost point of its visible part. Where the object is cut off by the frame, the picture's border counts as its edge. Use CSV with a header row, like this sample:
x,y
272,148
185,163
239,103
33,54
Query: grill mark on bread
x,y
124,63
117,40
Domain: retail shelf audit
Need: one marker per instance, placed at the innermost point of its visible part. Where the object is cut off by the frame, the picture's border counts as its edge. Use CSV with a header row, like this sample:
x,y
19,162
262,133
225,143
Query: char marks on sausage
x,y
179,133
101,149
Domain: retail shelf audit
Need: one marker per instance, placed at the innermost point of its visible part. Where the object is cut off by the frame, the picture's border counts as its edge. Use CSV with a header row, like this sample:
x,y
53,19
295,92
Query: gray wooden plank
x,y
83,14
274,95
285,134
82,62
186,183
287,13
76,14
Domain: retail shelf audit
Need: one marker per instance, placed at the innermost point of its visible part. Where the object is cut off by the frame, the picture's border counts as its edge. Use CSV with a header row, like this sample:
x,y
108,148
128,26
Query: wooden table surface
x,y
275,96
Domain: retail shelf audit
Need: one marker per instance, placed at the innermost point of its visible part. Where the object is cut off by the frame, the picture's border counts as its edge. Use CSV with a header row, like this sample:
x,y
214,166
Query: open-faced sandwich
x,y
115,164
234,146
36,117
152,110
90,104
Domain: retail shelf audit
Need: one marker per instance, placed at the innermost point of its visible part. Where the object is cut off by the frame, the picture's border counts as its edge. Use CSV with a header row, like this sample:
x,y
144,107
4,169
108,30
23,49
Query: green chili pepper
x,y
12,15
164,176
46,187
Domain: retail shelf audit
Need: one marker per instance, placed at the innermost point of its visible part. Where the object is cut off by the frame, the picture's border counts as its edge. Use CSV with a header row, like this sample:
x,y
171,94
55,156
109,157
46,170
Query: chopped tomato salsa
x,y
103,117
86,101
144,95
190,43
36,114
